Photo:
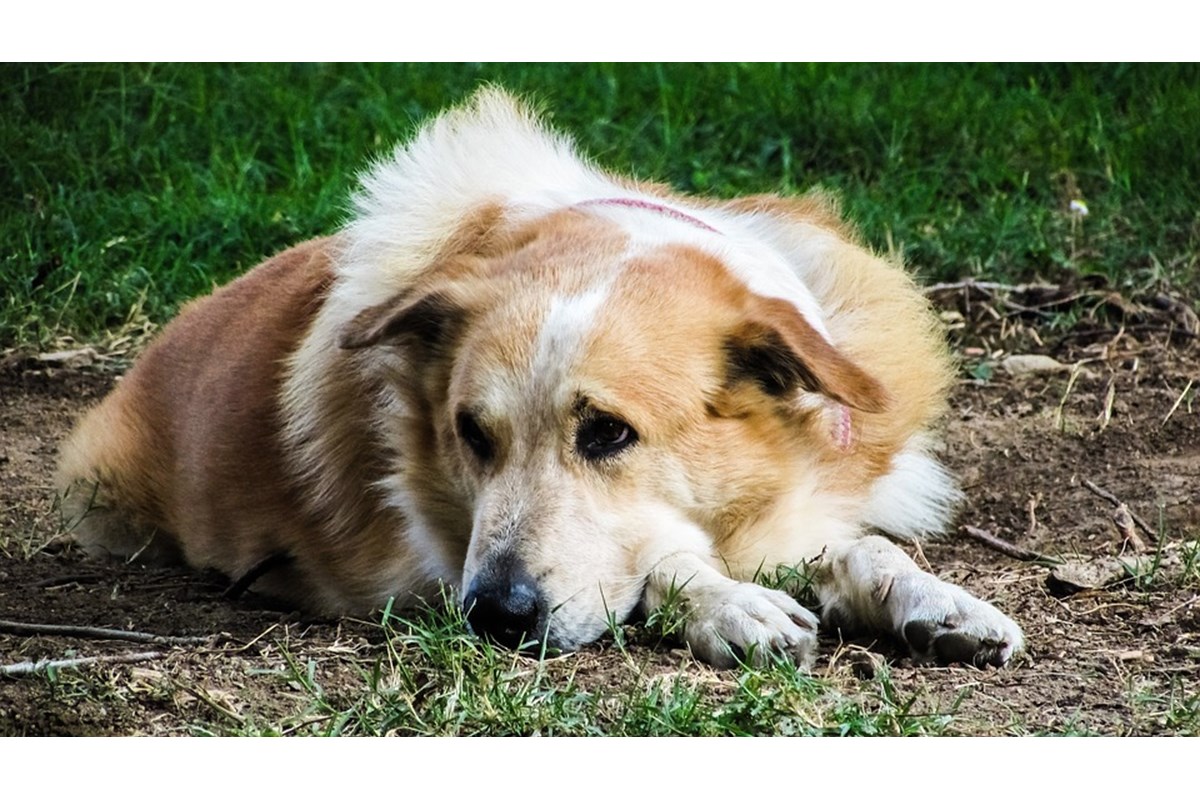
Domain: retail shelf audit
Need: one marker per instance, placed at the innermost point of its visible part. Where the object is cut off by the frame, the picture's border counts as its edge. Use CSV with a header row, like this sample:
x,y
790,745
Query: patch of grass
x,y
1174,704
131,188
796,580
433,678
667,622
1182,709
1190,569
1173,564
1076,728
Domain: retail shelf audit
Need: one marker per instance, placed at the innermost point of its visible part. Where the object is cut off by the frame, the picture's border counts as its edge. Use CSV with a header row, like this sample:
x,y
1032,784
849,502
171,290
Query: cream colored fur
x,y
497,311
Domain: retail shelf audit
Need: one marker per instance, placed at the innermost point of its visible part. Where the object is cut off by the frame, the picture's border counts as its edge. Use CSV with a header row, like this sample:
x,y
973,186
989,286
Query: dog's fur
x,y
566,393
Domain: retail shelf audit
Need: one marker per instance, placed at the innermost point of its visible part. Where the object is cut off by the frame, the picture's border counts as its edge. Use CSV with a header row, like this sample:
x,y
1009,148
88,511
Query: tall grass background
x,y
129,188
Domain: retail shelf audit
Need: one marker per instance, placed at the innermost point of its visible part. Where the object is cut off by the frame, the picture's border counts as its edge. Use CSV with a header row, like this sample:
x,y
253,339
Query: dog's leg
x,y
871,583
725,619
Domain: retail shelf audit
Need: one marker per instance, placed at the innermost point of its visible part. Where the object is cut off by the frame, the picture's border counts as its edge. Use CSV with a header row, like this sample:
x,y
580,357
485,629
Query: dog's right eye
x,y
603,436
474,437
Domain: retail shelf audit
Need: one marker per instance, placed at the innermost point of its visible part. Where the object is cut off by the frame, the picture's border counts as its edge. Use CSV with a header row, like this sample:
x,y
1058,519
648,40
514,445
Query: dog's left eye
x,y
471,433
603,436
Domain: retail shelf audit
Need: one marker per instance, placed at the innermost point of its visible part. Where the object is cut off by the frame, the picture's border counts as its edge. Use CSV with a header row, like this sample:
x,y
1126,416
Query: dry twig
x,y
1117,504
45,664
1058,416
213,703
40,629
919,556
1109,397
1178,400
1031,508
1007,548
59,581
984,286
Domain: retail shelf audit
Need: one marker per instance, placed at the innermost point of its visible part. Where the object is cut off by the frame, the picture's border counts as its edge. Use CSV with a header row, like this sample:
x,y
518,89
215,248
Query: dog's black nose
x,y
503,608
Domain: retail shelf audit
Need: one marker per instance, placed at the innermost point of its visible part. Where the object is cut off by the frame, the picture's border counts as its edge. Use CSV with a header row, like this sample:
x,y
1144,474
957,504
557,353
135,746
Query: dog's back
x,y
181,460
566,393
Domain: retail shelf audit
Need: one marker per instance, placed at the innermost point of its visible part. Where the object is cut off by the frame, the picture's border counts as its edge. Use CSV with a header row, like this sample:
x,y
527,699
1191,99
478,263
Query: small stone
x,y
1017,365
69,359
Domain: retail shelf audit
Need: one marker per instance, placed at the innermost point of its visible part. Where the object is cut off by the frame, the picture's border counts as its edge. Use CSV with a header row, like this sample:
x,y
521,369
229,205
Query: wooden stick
x,y
40,629
1117,503
1007,548
986,286
1031,508
45,664
66,580
212,703
1178,400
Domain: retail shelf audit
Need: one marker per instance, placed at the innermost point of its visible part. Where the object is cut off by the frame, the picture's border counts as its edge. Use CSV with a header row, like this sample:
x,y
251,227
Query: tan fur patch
x,y
315,406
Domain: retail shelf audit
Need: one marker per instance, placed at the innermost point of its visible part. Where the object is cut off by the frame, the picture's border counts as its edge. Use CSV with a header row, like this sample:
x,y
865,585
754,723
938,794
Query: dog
x,y
570,395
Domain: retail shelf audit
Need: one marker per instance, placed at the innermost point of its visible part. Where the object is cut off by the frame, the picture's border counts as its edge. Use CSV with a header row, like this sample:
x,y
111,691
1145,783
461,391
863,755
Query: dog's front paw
x,y
734,621
945,624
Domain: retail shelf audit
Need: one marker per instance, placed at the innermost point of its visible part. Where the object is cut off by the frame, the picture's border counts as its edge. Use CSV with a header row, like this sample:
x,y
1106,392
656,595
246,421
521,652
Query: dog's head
x,y
598,399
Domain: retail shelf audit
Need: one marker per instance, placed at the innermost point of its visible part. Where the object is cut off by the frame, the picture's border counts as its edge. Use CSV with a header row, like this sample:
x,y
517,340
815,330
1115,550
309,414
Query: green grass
x,y
434,678
130,188
1172,703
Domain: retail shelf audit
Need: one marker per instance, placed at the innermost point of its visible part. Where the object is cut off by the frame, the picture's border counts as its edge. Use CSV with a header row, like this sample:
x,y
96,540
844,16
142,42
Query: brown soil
x,y
1116,659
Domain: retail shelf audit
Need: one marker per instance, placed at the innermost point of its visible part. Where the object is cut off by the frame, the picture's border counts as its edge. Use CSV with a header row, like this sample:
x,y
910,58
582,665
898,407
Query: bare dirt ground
x,y
1112,648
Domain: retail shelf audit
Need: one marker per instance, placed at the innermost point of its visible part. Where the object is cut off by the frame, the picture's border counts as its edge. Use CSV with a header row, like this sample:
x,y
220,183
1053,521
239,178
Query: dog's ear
x,y
777,348
428,318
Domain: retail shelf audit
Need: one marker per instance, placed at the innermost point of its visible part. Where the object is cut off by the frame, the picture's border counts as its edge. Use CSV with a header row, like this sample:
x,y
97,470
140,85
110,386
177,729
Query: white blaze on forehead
x,y
734,240
559,343
565,331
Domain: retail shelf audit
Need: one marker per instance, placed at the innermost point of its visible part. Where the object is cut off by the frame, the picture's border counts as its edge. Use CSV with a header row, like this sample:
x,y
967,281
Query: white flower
x,y
1078,207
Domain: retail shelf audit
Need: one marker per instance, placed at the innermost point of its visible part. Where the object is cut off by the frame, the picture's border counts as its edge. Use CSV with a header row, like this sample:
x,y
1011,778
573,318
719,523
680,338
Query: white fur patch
x,y
491,150
801,523
494,150
418,536
873,583
564,333
727,237
917,498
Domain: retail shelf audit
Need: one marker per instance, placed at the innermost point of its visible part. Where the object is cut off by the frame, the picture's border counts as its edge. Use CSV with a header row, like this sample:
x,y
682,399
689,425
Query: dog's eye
x,y
474,437
602,436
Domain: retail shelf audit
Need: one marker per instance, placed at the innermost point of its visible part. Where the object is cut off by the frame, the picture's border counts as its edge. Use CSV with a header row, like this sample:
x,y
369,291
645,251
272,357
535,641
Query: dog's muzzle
x,y
504,605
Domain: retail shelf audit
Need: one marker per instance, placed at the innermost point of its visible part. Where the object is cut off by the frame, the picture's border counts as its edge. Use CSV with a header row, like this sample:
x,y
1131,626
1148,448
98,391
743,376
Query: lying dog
x,y
567,393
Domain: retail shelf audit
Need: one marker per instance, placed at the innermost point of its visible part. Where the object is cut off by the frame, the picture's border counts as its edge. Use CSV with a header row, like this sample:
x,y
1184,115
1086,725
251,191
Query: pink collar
x,y
633,202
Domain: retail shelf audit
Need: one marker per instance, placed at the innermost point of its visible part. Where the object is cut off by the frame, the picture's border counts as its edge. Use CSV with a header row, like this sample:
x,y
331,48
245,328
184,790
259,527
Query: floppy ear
x,y
428,318
778,349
